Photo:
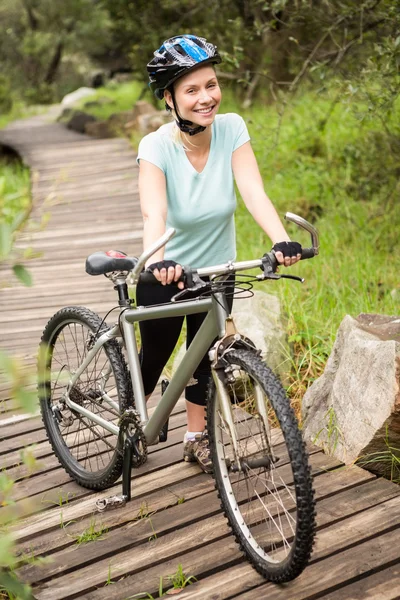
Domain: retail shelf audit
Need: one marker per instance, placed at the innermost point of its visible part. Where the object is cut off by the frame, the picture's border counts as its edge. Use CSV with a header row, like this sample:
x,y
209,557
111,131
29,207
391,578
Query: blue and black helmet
x,y
176,57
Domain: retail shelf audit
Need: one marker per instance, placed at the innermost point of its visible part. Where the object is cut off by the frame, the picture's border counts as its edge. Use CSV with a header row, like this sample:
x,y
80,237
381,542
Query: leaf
x,y
6,551
10,584
27,399
5,240
23,275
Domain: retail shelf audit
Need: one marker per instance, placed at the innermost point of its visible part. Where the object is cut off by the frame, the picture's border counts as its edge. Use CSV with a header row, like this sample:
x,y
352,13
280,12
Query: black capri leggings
x,y
159,338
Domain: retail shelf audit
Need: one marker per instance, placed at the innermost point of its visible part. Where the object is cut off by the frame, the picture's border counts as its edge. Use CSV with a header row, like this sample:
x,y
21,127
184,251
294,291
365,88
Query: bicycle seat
x,y
101,263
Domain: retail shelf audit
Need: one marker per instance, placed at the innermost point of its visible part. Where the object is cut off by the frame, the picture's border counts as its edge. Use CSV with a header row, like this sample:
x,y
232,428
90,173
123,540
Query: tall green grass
x,y
341,175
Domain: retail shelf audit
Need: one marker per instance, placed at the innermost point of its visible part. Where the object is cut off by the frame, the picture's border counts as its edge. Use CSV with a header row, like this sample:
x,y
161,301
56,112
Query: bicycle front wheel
x,y
86,450
261,468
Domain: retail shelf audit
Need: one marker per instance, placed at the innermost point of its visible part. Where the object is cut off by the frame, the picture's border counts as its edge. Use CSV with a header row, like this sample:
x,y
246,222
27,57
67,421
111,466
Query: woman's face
x,y
197,95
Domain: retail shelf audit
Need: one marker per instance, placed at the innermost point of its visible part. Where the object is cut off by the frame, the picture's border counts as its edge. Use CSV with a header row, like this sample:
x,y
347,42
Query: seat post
x,y
122,288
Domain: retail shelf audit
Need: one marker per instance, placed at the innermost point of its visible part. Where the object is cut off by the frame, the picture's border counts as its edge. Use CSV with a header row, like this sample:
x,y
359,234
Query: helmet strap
x,y
183,124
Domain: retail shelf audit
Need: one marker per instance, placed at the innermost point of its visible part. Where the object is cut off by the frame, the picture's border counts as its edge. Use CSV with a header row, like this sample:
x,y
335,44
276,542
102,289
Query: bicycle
x,y
94,410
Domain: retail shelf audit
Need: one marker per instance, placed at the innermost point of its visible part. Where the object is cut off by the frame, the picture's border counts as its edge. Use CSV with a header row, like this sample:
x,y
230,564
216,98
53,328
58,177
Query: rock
x,y
260,319
353,409
142,108
147,123
73,97
99,129
76,120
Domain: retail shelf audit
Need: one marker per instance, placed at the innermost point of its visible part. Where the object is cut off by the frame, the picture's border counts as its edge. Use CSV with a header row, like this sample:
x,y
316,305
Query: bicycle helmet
x,y
176,57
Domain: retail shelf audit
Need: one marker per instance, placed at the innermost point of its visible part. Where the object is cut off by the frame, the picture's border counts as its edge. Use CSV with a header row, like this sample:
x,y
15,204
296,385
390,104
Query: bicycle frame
x,y
213,326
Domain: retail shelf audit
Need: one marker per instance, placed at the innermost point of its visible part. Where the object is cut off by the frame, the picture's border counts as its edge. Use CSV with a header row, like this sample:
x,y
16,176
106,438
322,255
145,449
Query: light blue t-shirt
x,y
200,205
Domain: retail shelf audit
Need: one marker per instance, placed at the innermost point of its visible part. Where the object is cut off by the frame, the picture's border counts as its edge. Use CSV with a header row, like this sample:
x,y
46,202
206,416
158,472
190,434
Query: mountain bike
x,y
94,409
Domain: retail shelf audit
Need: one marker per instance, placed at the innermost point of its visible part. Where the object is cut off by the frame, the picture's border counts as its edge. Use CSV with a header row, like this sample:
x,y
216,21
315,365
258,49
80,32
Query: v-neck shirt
x,y
201,205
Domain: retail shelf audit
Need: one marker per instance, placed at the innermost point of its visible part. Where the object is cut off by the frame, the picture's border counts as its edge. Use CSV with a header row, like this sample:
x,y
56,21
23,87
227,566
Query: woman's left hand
x,y
287,253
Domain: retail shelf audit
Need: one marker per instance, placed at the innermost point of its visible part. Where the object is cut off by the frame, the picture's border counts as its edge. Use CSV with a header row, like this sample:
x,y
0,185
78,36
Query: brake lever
x,y
269,265
196,284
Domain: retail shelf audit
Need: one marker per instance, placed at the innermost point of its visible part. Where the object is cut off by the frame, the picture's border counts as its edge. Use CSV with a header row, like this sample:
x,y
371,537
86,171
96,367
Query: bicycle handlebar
x,y
231,266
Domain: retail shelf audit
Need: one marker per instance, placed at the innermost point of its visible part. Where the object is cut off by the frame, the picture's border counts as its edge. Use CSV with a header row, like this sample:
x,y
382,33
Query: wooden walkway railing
x,y
90,189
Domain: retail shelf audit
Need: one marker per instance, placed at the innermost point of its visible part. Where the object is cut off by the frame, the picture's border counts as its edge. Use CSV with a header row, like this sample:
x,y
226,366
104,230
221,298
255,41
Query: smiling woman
x,y
186,181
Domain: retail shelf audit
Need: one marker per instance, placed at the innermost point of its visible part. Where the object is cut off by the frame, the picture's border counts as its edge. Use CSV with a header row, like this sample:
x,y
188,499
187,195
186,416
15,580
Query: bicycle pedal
x,y
117,501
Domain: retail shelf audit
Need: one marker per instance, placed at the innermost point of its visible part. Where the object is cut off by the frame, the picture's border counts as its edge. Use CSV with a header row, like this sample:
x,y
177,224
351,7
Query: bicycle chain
x,y
130,420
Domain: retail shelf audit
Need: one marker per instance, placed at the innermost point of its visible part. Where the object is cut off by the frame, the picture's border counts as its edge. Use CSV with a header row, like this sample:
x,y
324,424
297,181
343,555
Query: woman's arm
x,y
153,204
248,179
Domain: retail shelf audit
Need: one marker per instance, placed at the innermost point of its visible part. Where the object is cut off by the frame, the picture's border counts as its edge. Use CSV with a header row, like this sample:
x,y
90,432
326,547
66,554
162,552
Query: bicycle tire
x,y
253,498
89,453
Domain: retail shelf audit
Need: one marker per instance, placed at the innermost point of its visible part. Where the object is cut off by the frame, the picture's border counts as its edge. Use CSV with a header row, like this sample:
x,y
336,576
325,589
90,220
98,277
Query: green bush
x,y
6,101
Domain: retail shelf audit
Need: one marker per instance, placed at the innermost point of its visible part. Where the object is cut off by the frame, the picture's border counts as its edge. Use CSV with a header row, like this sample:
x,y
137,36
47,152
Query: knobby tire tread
x,y
123,384
301,550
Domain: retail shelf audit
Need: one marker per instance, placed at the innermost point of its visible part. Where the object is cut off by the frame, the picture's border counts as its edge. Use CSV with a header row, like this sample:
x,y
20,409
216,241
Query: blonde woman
x,y
186,181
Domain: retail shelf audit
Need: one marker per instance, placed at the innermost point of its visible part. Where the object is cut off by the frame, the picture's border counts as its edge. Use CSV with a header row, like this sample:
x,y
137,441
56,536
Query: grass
x,y
91,533
179,580
15,199
385,462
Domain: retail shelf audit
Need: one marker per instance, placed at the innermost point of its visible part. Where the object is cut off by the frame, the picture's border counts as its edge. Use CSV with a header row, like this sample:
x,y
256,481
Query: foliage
x,y
39,34
14,206
6,100
344,178
269,45
13,210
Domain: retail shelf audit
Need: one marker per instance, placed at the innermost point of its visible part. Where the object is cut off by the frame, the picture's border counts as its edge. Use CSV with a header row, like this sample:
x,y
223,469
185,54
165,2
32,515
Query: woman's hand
x,y
287,253
166,272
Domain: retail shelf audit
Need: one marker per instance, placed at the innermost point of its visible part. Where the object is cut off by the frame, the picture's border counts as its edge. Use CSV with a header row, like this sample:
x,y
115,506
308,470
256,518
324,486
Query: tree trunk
x,y
54,64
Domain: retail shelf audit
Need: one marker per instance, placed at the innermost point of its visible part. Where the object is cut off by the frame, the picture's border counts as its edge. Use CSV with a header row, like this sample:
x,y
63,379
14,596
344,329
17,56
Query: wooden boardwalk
x,y
90,188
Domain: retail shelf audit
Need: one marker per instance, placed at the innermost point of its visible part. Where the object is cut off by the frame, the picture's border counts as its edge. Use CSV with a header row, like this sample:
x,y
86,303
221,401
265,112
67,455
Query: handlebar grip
x,y
149,279
307,253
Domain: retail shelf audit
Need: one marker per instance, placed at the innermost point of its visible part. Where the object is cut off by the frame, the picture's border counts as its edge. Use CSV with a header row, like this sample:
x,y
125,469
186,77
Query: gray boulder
x,y
353,409
76,120
260,318
74,97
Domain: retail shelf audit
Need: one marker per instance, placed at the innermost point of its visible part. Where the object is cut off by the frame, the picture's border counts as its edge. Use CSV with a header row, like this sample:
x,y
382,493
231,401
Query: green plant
x,y
63,525
91,533
109,580
331,431
144,513
386,461
61,500
179,579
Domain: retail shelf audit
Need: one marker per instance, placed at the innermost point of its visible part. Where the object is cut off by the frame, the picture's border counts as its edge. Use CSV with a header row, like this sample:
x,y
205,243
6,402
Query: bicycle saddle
x,y
101,263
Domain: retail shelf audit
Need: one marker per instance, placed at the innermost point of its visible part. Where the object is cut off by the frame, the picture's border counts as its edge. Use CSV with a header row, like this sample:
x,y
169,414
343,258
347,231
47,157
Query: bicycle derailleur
x,y
133,446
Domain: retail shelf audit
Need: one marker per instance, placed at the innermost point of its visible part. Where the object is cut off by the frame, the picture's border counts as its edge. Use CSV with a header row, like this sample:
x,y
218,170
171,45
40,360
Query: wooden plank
x,y
238,579
384,585
198,543
338,569
324,485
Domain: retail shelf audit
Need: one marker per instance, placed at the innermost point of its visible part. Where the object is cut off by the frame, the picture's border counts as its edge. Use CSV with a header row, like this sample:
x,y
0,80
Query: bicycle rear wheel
x,y
86,450
265,485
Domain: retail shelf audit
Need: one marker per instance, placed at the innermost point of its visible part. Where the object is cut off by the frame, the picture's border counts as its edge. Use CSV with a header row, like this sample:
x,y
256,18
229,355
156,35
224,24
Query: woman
x,y
186,181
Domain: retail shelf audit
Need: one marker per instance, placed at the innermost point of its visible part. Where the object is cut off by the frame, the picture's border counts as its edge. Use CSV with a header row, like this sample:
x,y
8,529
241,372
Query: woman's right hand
x,y
166,272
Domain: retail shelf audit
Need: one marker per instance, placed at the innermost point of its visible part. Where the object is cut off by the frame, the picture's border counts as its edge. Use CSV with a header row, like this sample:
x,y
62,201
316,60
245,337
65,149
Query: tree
x,y
38,34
